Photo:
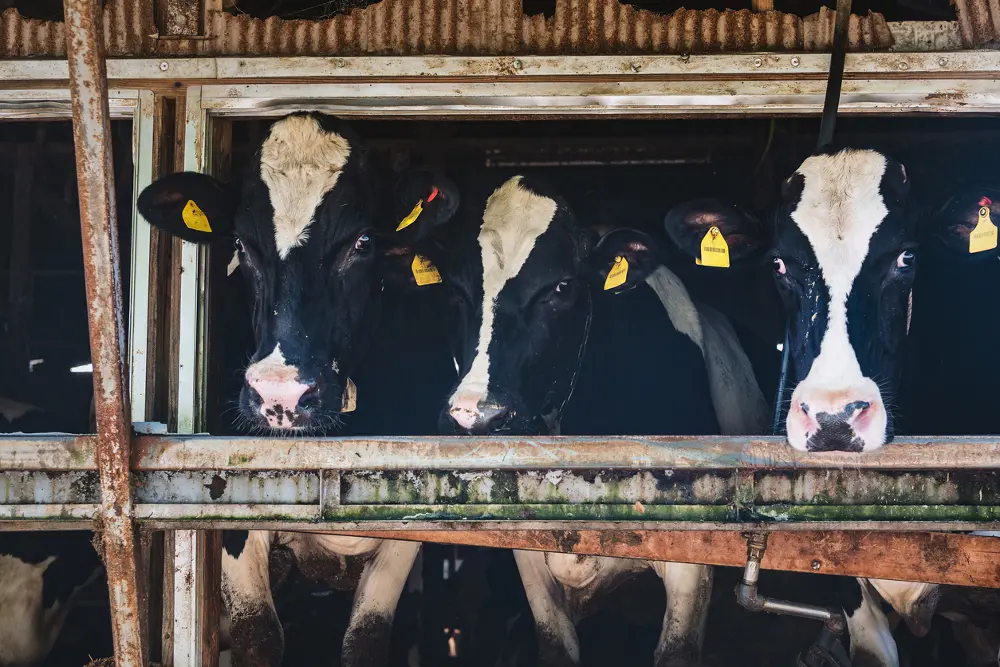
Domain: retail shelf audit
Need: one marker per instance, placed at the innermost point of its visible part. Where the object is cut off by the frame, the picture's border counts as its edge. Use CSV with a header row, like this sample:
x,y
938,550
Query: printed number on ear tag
x,y
350,401
618,274
424,271
194,218
412,217
984,236
714,250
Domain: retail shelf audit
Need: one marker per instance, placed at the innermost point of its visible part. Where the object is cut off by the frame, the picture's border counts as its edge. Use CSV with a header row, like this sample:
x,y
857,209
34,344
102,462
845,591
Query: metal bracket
x,y
826,651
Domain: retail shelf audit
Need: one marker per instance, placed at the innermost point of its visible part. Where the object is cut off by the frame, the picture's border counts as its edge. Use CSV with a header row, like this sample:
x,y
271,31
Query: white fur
x,y
551,580
869,631
839,211
513,220
246,584
739,404
299,163
12,410
27,630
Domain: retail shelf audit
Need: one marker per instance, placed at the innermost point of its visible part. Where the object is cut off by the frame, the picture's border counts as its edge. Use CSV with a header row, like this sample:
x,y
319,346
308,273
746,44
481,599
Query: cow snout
x,y
477,416
851,420
280,401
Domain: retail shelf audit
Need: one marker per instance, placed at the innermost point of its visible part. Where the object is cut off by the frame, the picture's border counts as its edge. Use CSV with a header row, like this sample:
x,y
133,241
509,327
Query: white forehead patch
x,y
299,163
839,211
513,220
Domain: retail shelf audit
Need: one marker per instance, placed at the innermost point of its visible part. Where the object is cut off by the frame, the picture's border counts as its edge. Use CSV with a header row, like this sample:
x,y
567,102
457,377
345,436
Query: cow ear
x,y
730,232
406,267
622,259
191,206
966,225
423,201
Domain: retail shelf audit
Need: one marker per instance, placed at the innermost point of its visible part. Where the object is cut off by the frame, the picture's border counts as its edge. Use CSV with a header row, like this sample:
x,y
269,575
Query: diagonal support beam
x,y
95,175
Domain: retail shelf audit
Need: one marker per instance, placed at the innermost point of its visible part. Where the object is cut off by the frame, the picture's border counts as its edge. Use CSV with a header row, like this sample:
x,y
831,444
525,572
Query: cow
x,y
528,281
319,231
843,245
41,577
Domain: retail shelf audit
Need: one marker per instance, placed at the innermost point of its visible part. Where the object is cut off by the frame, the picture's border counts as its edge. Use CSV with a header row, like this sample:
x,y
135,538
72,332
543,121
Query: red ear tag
x,y
433,195
985,201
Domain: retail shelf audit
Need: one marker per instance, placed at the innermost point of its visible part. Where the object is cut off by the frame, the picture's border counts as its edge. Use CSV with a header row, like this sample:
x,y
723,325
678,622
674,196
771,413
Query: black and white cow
x,y
529,281
319,231
843,244
41,576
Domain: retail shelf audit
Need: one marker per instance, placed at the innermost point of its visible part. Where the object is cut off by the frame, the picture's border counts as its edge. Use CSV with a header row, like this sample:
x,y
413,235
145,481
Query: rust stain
x,y
474,27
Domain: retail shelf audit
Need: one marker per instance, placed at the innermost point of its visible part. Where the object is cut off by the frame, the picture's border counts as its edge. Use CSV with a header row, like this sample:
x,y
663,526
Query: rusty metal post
x,y
95,174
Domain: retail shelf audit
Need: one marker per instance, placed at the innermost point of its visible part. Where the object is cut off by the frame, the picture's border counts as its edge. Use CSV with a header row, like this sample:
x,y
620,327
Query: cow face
x,y
522,288
316,230
842,245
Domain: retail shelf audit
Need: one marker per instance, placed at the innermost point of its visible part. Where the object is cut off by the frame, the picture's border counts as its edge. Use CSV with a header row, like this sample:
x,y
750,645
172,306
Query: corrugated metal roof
x,y
978,21
459,27
499,27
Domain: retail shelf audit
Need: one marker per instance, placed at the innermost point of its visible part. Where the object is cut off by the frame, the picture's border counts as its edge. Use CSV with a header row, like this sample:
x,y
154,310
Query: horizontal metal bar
x,y
55,104
179,452
338,527
963,560
48,451
958,63
49,513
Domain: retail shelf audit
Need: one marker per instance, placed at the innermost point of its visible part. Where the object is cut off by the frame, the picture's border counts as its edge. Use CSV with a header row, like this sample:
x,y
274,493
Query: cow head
x,y
316,230
842,244
522,288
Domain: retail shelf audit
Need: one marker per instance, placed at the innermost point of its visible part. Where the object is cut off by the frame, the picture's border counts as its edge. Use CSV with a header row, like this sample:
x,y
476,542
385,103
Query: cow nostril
x,y
254,398
493,415
310,398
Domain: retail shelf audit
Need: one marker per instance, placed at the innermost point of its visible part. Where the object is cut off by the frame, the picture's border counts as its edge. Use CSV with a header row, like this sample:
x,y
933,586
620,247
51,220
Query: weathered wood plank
x,y
943,558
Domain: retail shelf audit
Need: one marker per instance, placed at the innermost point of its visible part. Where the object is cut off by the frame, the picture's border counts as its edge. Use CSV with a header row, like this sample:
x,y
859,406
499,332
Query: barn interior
x,y
46,384
613,173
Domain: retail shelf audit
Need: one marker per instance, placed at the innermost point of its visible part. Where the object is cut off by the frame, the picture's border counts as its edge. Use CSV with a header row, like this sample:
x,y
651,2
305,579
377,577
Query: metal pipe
x,y
95,175
748,597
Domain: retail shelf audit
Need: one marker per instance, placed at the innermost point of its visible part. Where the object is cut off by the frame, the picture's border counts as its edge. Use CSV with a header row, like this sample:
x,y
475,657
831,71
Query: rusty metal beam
x,y
95,175
179,452
943,558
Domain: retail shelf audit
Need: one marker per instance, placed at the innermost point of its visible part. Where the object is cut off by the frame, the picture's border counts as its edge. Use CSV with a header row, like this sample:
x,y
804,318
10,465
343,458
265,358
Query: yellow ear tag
x,y
412,217
984,236
714,250
424,271
617,275
194,218
350,402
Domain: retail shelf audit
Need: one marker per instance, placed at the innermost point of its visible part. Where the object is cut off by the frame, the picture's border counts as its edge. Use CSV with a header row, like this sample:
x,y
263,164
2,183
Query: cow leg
x,y
872,644
689,588
915,602
558,644
246,591
366,642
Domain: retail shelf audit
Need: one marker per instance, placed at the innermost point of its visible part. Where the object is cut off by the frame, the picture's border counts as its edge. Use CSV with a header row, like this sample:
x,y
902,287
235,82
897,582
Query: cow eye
x,y
905,260
363,243
564,287
779,266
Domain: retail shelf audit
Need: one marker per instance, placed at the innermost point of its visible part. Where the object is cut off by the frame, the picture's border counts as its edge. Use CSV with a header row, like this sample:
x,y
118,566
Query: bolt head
x,y
164,66
634,68
942,62
518,64
685,57
816,565
757,62
795,62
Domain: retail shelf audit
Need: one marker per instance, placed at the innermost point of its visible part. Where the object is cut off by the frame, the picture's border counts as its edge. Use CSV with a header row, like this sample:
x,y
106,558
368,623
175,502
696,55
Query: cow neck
x,y
552,419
